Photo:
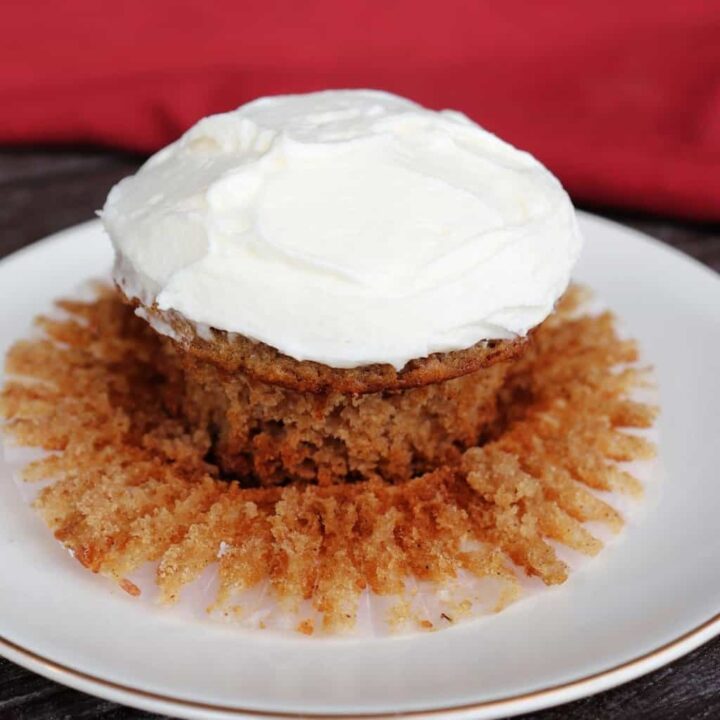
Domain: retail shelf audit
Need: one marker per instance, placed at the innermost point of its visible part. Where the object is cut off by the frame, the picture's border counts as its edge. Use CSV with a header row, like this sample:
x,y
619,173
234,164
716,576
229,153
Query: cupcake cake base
x,y
270,435
274,419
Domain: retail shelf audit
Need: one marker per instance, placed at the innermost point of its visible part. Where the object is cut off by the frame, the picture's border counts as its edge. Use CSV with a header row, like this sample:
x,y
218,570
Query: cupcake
x,y
341,280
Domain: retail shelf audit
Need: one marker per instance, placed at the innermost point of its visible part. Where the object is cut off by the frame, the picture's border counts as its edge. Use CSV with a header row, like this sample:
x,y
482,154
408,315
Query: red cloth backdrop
x,y
620,99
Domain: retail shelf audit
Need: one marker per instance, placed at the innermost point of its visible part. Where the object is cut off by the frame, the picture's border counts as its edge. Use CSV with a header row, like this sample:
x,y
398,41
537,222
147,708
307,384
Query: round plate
x,y
643,602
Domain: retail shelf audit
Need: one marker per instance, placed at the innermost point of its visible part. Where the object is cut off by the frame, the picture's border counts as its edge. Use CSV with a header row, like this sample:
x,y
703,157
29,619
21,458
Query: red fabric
x,y
620,100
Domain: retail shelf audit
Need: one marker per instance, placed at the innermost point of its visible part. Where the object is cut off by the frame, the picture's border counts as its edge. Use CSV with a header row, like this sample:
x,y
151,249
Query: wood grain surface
x,y
42,191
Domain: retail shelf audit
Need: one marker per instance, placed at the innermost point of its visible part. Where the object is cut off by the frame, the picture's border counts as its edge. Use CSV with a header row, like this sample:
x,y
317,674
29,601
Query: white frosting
x,y
346,227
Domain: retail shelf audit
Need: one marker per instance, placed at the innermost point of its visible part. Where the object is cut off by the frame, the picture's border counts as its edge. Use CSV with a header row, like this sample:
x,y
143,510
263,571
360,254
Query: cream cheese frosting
x,y
347,227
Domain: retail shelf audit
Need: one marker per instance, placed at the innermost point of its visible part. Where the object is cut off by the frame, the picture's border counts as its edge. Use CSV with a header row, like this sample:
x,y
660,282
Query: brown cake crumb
x,y
130,588
134,483
306,627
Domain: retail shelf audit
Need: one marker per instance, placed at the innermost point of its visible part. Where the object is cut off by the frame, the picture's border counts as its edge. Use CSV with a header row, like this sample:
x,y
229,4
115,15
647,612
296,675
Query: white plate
x,y
643,602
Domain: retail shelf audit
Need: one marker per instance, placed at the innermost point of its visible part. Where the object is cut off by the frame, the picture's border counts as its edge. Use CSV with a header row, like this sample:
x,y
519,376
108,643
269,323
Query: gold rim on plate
x,y
61,670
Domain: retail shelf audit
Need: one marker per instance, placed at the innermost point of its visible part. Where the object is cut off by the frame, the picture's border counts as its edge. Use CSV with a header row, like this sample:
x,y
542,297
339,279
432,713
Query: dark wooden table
x,y
45,191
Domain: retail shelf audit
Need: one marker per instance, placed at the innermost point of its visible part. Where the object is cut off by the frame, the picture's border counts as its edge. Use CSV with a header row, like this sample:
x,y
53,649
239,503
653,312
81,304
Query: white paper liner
x,y
424,606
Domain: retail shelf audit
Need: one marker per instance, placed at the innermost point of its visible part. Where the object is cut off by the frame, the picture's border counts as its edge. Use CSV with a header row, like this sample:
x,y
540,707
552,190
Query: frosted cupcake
x,y
342,280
